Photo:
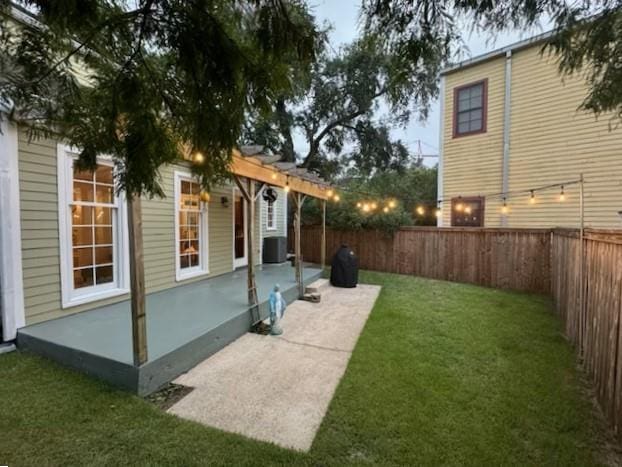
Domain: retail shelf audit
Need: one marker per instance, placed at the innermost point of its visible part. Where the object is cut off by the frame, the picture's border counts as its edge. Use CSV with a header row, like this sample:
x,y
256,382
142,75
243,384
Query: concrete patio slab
x,y
277,389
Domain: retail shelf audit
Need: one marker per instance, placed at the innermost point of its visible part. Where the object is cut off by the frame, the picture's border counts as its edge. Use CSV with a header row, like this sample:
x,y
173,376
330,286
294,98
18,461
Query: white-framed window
x,y
191,240
92,230
270,215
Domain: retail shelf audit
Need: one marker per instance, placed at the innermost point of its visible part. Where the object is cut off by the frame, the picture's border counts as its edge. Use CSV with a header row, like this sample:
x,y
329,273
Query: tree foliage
x,y
148,83
411,188
338,112
587,35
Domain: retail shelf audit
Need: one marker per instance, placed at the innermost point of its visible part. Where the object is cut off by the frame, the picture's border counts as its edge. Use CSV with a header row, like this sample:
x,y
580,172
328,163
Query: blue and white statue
x,y
277,310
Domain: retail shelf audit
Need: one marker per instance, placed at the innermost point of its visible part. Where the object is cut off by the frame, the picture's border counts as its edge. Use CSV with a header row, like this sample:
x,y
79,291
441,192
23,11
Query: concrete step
x,y
318,286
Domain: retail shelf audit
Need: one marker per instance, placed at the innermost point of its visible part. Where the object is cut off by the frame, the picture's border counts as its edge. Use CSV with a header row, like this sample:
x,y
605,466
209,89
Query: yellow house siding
x,y
40,233
472,164
552,141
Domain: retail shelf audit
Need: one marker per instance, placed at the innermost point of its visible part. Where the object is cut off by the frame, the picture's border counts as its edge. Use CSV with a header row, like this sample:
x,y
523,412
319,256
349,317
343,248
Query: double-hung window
x,y
270,215
93,232
470,104
190,228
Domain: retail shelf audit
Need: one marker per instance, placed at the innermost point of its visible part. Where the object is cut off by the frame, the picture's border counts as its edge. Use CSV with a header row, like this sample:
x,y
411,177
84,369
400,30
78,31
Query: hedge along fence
x,y
531,260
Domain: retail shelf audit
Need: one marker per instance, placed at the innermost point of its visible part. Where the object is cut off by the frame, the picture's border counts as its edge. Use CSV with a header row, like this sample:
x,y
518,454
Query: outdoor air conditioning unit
x,y
274,249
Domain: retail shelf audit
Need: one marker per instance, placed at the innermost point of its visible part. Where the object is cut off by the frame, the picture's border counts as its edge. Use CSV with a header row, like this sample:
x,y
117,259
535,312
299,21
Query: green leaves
x,y
141,83
427,34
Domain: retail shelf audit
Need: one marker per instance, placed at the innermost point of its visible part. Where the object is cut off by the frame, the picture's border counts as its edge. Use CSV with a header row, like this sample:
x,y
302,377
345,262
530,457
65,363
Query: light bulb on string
x,y
385,209
392,203
562,195
467,209
329,193
337,198
359,205
532,198
420,210
365,207
504,208
459,205
374,206
198,158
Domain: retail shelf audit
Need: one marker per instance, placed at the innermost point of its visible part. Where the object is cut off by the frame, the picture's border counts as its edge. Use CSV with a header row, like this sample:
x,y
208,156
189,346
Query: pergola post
x,y
298,201
250,193
252,286
323,246
137,280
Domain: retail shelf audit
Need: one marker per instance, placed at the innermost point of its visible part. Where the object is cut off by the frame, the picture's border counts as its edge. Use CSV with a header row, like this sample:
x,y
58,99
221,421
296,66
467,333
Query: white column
x,y
11,279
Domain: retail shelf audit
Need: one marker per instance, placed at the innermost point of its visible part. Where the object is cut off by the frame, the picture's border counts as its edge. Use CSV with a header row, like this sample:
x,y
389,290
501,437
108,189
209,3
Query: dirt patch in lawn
x,y
169,395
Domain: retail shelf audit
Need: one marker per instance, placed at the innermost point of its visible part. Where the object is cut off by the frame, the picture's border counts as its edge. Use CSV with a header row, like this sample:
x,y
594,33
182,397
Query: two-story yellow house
x,y
511,123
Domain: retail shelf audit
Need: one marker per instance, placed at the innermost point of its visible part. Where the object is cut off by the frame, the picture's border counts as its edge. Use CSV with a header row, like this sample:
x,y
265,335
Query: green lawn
x,y
442,374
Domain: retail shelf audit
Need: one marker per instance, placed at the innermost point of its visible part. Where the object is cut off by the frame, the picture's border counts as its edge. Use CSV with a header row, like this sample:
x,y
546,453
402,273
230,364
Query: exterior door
x,y
240,245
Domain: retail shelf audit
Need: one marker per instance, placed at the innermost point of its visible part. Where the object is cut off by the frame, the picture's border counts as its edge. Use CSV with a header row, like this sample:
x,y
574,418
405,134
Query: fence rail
x,y
546,261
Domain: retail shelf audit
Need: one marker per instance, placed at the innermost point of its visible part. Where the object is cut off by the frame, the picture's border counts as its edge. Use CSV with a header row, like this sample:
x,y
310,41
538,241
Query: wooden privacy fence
x,y
588,299
503,258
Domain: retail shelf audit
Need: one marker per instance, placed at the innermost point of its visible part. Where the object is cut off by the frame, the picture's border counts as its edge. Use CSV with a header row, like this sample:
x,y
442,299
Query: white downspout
x,y
11,279
441,137
507,114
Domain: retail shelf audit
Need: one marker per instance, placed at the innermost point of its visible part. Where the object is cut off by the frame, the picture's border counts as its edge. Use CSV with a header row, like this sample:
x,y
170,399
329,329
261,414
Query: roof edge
x,y
534,40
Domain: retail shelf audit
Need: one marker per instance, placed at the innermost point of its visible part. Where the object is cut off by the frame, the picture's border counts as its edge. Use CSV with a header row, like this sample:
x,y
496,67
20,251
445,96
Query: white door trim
x,y
11,278
239,262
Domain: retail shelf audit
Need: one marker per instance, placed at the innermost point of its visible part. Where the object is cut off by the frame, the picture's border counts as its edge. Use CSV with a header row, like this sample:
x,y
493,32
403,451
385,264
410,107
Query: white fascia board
x,y
11,277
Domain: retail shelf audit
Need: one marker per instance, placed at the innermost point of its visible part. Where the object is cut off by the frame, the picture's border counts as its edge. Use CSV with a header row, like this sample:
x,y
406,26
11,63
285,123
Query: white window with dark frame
x,y
190,228
470,108
93,232
270,215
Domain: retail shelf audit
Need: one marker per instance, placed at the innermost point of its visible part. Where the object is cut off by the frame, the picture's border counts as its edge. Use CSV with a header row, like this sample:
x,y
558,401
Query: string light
x,y
562,195
504,208
359,205
374,206
365,207
329,193
532,198
392,203
437,213
459,205
273,175
467,209
420,210
386,209
198,158
337,198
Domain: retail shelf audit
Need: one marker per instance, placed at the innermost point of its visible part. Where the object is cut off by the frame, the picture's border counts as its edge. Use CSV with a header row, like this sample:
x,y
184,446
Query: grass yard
x,y
442,374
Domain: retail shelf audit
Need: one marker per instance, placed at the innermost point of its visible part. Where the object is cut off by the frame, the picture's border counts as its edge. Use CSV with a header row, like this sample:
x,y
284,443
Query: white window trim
x,y
203,268
11,277
273,226
73,297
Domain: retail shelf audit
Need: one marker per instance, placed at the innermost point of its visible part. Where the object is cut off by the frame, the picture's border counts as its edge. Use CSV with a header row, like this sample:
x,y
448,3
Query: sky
x,y
343,16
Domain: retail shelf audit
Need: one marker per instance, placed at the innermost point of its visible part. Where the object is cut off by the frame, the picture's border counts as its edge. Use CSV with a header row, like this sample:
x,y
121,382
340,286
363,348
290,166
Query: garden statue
x,y
277,310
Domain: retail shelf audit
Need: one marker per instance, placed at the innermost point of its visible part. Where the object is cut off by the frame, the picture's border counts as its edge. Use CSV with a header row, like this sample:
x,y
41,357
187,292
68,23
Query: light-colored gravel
x,y
277,389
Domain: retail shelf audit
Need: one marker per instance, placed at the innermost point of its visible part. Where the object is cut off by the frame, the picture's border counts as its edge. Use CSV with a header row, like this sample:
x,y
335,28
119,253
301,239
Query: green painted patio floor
x,y
175,316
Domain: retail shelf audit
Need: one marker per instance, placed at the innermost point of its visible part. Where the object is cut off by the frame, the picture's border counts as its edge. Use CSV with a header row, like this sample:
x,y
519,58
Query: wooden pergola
x,y
252,171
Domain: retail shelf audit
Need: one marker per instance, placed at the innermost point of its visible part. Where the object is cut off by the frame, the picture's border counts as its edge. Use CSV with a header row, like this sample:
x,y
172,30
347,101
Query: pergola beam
x,y
250,167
